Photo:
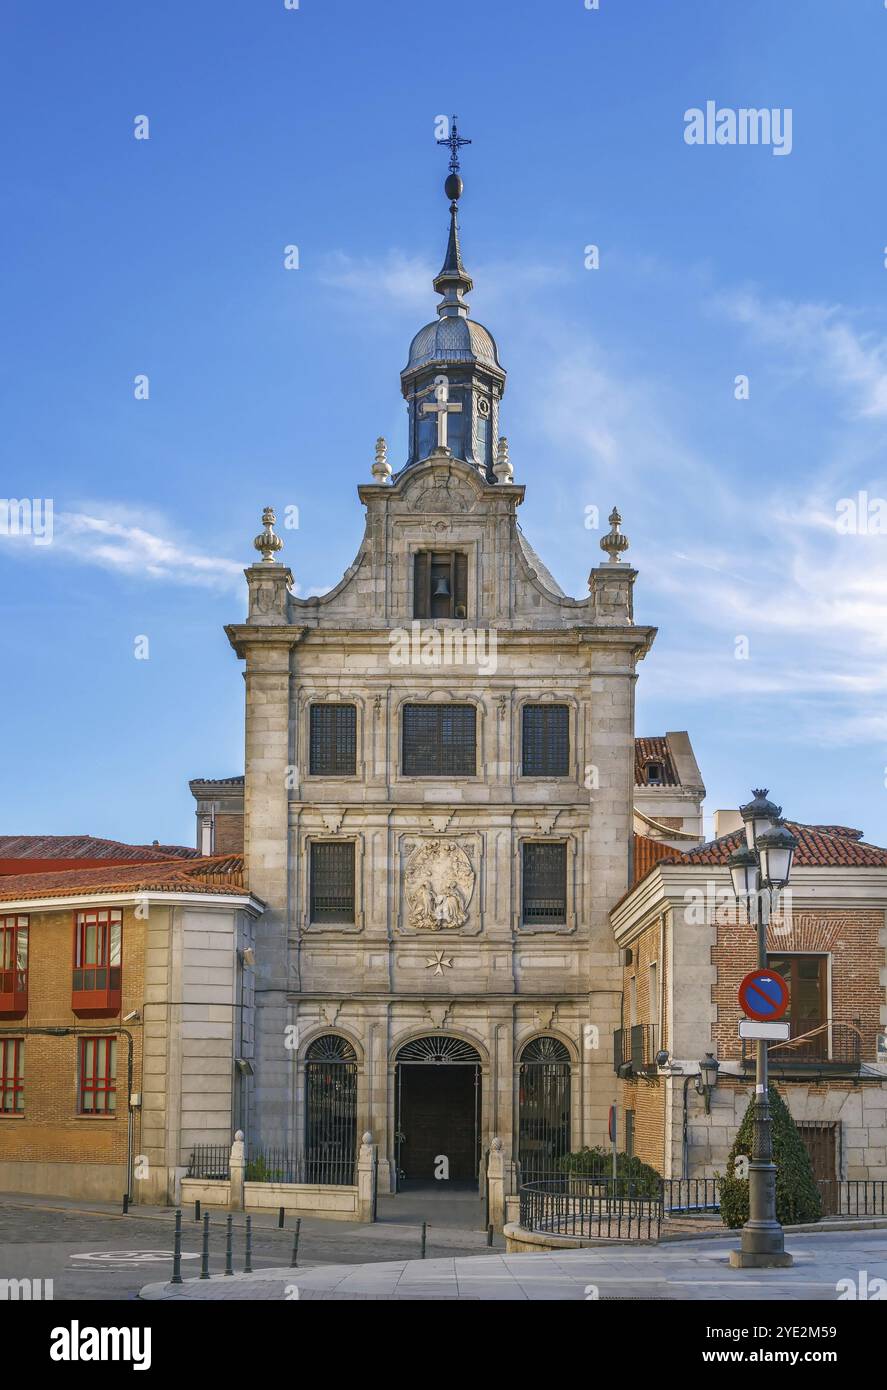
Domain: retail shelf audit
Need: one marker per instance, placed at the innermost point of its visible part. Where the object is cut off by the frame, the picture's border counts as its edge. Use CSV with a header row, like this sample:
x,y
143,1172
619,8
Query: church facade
x,y
437,807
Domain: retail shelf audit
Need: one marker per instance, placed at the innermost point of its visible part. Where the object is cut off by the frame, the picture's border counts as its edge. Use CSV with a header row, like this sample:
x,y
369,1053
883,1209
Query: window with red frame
x,y
98,1076
13,964
12,1076
97,947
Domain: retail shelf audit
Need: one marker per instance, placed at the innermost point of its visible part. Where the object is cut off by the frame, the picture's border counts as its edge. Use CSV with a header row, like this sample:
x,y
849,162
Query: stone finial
x,y
367,1137
238,1136
381,467
502,467
267,543
497,1145
614,542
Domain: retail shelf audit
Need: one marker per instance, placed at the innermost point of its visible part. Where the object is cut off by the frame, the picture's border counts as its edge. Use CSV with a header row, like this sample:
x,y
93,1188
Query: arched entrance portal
x,y
438,1117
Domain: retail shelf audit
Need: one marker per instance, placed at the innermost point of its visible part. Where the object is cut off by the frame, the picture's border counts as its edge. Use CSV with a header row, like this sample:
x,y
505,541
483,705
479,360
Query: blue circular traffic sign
x,y
763,995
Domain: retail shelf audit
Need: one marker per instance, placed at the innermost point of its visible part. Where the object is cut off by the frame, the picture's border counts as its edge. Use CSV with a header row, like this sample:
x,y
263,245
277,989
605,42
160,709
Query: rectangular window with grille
x,y
546,741
439,741
333,740
332,881
12,1076
545,883
98,1076
440,584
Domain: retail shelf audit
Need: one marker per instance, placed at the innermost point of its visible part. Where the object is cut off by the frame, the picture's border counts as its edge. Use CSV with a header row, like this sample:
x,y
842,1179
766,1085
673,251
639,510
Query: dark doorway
x,y
438,1112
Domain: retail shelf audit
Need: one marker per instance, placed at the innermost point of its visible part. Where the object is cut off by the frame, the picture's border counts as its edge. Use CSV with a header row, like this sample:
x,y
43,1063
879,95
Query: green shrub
x,y
797,1196
257,1170
632,1176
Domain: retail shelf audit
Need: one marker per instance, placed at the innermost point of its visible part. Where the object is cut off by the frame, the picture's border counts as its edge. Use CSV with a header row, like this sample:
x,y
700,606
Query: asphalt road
x,y
94,1256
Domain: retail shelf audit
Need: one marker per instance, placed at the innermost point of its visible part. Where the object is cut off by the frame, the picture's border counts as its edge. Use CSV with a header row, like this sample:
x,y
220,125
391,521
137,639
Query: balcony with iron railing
x,y
832,1048
635,1048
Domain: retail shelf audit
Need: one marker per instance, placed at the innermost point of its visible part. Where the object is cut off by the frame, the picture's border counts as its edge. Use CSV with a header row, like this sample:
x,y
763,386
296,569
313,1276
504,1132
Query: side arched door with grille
x,y
330,1110
543,1108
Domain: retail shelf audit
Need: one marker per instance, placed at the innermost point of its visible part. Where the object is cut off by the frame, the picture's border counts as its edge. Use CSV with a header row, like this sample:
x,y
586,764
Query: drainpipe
x,y
685,1138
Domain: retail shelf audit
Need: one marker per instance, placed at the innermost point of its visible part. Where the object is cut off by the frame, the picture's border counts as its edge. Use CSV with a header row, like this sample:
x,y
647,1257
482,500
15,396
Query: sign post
x,y
764,998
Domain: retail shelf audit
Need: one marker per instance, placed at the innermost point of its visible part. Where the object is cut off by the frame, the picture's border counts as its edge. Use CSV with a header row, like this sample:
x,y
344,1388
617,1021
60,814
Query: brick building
x,y
125,1021
685,949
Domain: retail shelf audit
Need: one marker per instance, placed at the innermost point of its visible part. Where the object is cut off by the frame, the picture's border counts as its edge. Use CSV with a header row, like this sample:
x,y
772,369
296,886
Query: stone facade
x,y
378,981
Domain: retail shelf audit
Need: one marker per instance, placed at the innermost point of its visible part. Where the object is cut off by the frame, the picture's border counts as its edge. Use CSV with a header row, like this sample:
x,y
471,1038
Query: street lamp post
x,y
758,869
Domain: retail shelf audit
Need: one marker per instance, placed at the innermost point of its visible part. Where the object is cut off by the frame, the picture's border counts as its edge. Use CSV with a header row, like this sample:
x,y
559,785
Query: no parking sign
x,y
763,995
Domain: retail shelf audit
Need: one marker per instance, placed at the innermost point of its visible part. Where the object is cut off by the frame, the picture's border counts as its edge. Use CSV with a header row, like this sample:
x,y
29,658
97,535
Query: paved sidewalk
x,y
696,1270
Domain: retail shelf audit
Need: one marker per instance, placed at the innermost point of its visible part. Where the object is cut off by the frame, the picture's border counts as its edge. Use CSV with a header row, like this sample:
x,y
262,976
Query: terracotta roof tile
x,y
221,873
654,750
648,852
819,846
87,847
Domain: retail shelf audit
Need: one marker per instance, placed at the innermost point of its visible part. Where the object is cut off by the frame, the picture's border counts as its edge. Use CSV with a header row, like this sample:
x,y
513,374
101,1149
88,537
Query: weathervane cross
x,y
441,408
454,140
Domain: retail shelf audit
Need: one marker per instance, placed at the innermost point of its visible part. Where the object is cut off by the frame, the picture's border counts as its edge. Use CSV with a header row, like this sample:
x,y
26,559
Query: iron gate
x,y
330,1111
543,1108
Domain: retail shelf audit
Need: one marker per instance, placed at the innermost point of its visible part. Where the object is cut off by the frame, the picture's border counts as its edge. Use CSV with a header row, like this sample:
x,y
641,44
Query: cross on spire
x,y
454,140
442,408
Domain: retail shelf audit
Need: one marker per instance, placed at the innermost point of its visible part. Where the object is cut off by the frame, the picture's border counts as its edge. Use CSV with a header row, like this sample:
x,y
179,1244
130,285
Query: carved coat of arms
x,y
438,885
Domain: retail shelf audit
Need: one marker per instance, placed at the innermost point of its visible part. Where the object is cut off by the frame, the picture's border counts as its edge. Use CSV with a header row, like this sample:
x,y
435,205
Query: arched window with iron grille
x,y
543,1108
330,1110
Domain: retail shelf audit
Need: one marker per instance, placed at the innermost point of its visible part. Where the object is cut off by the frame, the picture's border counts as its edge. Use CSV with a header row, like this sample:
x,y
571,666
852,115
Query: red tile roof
x,y
25,847
221,873
648,852
654,750
819,846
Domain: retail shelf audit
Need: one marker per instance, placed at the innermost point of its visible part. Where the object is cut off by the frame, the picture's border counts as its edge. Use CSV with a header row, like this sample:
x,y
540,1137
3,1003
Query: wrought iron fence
x,y
853,1197
330,1166
209,1161
592,1207
688,1195
831,1046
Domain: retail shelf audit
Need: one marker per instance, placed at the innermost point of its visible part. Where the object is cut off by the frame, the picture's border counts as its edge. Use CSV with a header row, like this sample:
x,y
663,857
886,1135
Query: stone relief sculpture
x,y
438,884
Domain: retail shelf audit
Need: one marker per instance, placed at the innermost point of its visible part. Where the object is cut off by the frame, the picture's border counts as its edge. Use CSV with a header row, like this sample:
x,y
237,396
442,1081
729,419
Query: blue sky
x,y
315,127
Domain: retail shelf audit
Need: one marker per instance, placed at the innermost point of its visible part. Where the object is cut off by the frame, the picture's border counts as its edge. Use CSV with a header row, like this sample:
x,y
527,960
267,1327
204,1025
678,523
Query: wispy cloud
x,y
822,340
399,280
137,544
403,281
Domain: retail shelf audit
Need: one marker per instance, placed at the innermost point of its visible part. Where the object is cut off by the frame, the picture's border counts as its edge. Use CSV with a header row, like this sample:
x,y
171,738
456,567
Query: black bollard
x,y
281,1213
489,1235
177,1250
294,1260
125,1203
229,1245
204,1258
248,1260
424,1227
197,1210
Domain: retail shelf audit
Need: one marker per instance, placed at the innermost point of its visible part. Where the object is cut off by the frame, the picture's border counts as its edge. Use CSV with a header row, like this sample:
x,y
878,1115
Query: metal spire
x,y
454,140
453,281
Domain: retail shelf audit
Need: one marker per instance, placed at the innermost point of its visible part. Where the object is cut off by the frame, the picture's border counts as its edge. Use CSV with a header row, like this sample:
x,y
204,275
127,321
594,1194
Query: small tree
x,y
797,1195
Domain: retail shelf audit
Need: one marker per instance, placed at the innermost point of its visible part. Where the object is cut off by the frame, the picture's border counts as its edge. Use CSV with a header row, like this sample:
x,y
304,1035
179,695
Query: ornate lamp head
x,y
267,543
